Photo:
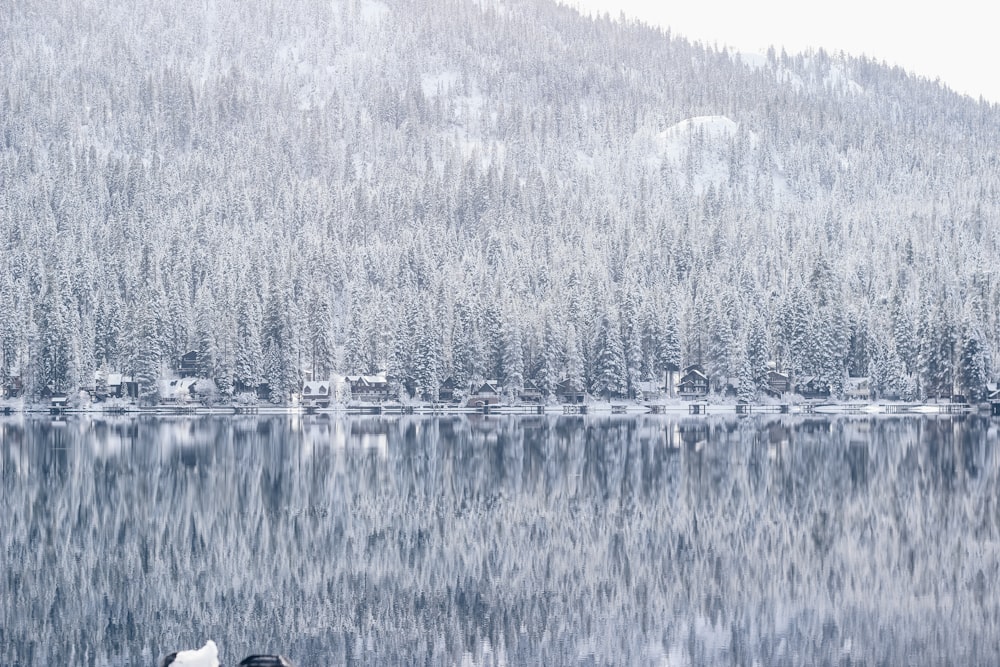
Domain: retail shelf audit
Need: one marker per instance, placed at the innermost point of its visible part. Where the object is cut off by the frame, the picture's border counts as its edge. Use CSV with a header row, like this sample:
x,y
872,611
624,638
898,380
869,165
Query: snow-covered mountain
x,y
478,189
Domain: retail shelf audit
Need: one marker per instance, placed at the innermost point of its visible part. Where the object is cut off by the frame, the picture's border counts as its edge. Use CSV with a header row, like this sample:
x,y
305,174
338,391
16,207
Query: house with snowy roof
x,y
188,366
369,388
530,393
180,390
693,383
568,392
813,388
484,394
777,384
446,391
317,394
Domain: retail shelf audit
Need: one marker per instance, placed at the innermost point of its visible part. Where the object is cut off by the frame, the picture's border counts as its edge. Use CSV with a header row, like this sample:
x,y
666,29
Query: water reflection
x,y
503,540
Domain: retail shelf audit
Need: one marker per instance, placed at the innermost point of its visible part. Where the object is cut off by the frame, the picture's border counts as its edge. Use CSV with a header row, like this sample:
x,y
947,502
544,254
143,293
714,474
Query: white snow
x,y
373,11
439,83
674,144
206,656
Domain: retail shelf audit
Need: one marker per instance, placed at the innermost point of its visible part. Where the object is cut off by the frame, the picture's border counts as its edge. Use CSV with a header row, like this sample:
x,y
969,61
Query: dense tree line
x,y
479,190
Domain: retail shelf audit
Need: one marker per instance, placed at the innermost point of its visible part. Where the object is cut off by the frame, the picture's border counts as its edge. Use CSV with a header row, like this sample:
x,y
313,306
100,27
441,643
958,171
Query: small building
x,y
530,393
188,368
777,384
13,388
858,389
485,394
180,390
446,392
650,389
317,394
120,386
567,392
813,388
693,383
58,402
369,388
994,399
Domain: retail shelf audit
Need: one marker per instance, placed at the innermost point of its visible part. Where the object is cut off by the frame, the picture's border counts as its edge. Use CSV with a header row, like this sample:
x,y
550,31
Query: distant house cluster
x,y
691,383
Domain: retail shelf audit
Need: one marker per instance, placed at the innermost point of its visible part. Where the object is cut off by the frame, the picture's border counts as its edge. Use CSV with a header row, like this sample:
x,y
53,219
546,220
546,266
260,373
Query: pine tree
x,y
248,370
468,356
610,374
513,360
574,361
748,389
319,322
632,343
549,376
973,366
280,340
146,362
55,363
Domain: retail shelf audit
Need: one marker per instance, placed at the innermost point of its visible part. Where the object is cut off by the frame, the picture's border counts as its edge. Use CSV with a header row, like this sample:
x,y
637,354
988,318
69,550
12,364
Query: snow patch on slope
x,y
373,11
440,83
696,149
818,75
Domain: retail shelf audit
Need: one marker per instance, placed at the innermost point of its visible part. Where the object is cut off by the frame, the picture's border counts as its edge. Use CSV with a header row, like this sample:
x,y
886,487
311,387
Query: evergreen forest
x,y
479,189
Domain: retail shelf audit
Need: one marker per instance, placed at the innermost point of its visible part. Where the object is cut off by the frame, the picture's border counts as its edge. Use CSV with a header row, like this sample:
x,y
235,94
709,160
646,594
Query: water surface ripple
x,y
481,541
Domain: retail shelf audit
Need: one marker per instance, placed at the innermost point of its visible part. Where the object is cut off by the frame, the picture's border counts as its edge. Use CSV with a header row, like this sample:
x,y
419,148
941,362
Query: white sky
x,y
952,41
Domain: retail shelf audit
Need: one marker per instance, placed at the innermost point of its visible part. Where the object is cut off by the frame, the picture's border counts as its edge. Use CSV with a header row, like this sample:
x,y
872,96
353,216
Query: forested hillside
x,y
478,189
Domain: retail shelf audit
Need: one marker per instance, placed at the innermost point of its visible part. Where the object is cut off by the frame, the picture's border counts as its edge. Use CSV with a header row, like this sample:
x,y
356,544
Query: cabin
x,y
58,402
13,388
650,389
530,393
188,367
317,394
568,392
369,388
180,390
446,391
813,388
485,394
858,389
120,386
693,383
994,399
777,384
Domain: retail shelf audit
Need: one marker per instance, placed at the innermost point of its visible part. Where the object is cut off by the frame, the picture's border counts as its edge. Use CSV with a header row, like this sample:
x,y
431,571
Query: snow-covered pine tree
x,y
610,373
280,341
551,363
248,356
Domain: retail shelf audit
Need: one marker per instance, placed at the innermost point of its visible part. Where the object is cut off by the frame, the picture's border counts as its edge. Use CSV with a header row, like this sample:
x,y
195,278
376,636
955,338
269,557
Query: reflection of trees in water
x,y
530,540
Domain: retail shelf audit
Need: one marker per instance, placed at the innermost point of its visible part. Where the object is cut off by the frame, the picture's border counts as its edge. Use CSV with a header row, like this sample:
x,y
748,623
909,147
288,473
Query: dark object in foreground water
x,y
265,661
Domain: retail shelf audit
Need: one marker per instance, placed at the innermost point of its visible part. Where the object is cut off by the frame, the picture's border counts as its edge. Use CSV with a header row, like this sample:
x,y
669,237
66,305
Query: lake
x,y
501,540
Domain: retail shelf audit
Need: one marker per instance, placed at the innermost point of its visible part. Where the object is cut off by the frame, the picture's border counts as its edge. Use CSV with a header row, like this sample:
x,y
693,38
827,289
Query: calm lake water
x,y
524,541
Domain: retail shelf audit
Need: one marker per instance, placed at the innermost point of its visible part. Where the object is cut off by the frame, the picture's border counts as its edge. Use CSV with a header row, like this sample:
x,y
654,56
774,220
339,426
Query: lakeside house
x,y
693,383
777,384
567,392
530,393
813,388
483,395
858,389
446,391
188,366
369,388
181,390
317,394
